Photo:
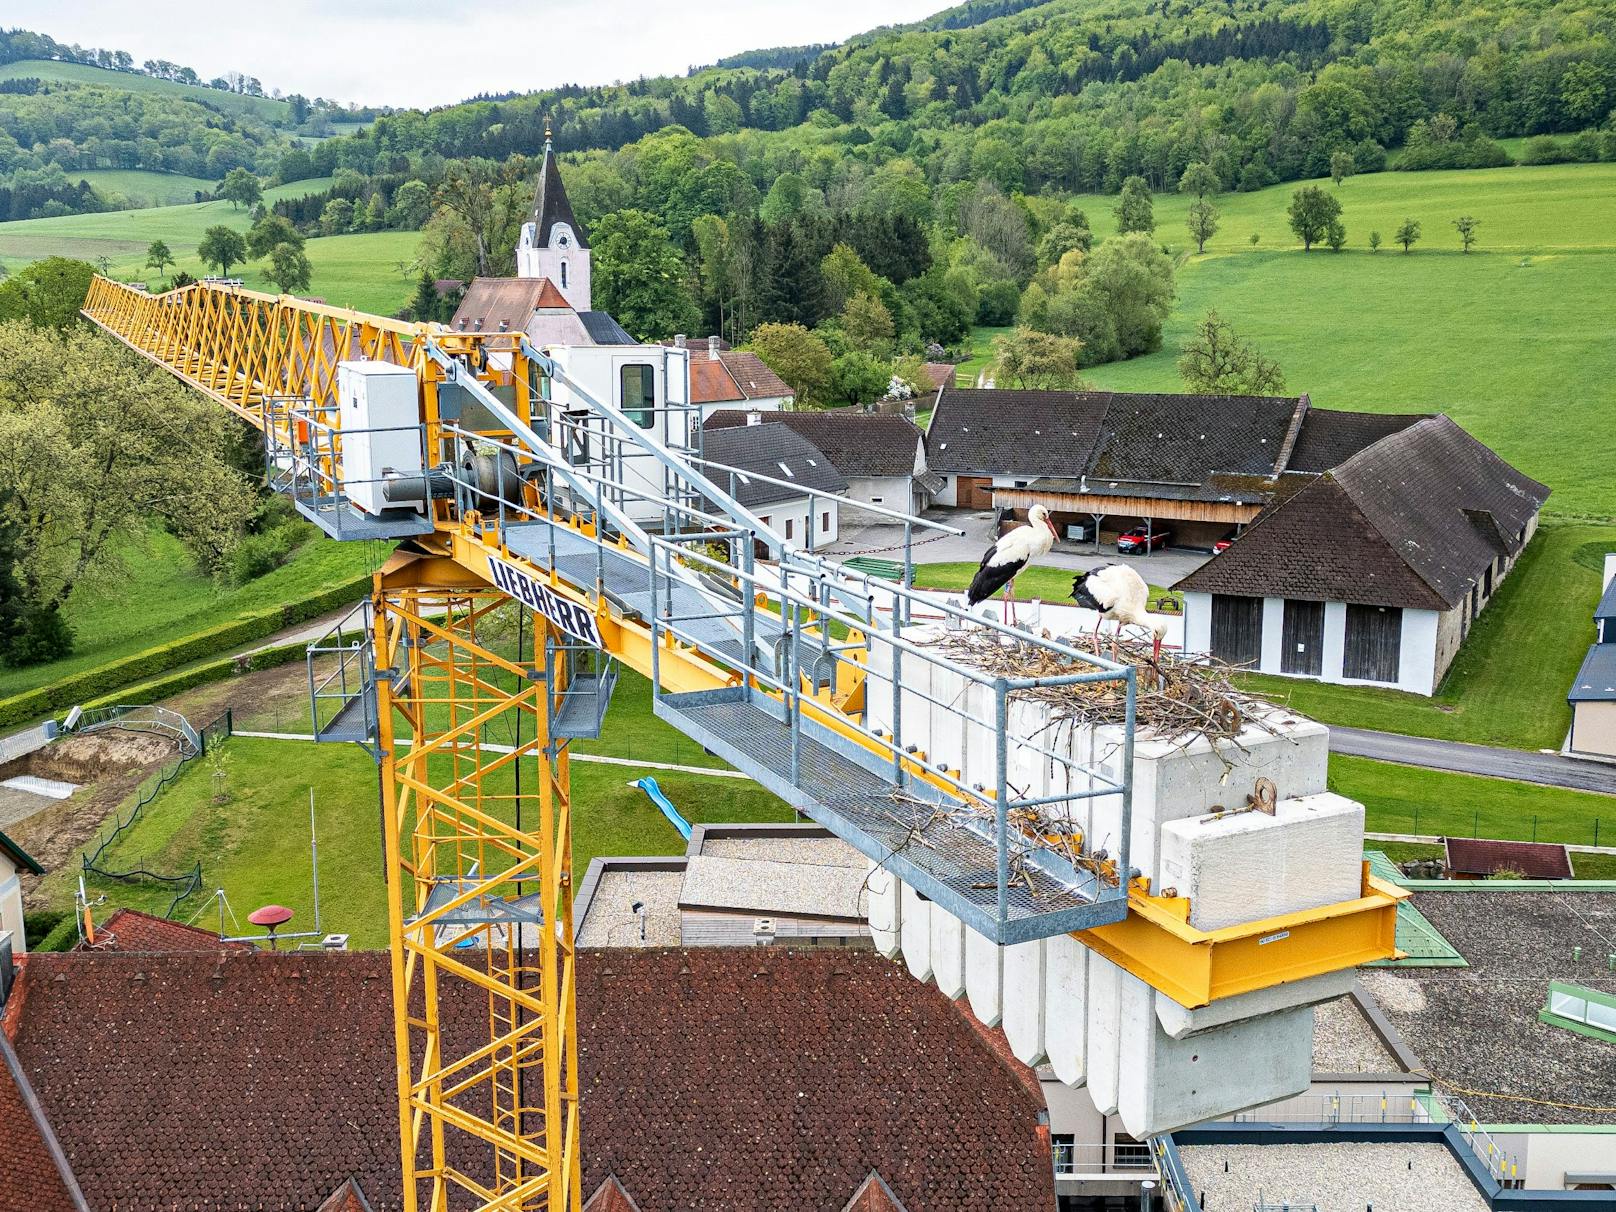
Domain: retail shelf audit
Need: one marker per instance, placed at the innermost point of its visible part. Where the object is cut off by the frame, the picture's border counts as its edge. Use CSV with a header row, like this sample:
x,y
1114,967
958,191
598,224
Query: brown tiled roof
x,y
131,930
1329,437
938,374
349,1197
1534,860
858,443
490,302
710,383
610,1197
1413,520
31,1180
874,1196
711,1078
752,374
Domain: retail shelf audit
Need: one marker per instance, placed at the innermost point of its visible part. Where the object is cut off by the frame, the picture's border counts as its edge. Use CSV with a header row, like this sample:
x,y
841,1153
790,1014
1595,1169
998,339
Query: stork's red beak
x,y
1050,522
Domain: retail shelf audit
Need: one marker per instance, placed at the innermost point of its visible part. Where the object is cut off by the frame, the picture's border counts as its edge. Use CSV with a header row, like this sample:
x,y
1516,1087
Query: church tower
x,y
554,244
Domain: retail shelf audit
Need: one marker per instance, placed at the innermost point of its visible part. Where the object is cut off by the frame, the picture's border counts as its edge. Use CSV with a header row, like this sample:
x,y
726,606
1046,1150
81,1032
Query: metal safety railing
x,y
1078,1160
139,717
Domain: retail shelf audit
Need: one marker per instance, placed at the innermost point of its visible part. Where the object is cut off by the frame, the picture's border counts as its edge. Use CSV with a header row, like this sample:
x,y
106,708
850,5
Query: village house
x,y
1593,692
779,475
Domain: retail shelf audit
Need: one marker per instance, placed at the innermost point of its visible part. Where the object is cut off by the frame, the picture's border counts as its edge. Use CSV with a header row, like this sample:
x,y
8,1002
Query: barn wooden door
x,y
1237,629
1302,640
1374,643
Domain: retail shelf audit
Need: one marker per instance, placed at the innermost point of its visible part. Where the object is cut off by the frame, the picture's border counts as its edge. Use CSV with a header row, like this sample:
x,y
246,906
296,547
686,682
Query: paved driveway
x,y
1523,765
886,541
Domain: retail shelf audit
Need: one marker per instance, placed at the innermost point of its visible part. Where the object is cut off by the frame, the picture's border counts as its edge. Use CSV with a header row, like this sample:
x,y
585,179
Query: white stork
x,y
1006,558
1120,594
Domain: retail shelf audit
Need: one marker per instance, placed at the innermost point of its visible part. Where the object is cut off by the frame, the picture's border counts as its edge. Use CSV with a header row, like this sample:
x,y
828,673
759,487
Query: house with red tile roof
x,y
725,378
763,1079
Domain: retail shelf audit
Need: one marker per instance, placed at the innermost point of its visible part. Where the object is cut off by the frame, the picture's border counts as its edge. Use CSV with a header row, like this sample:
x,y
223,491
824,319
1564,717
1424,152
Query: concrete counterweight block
x,y
1104,1032
914,929
882,907
1167,1084
1066,1013
984,978
948,952
1022,1000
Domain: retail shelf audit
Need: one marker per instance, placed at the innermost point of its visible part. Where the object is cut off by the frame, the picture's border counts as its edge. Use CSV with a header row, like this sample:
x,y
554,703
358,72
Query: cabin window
x,y
1237,629
638,398
1374,642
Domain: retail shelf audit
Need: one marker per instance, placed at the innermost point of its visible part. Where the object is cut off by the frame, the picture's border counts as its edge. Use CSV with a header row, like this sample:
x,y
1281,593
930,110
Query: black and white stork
x,y
1006,558
1121,595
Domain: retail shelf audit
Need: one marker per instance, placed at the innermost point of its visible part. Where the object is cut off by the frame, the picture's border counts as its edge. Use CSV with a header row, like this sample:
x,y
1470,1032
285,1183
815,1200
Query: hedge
x,y
106,679
159,689
63,937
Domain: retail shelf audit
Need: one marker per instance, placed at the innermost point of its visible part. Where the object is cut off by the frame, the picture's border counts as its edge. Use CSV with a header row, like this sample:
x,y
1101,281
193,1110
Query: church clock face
x,y
562,241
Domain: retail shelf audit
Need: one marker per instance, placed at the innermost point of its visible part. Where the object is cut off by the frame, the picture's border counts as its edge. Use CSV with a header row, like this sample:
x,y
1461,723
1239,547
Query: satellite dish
x,y
271,917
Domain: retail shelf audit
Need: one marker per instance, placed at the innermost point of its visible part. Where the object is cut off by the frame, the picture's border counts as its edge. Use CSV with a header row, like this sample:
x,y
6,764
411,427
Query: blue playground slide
x,y
649,786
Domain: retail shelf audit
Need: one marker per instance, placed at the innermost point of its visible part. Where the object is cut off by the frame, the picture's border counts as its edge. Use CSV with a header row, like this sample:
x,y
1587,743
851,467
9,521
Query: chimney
x,y
679,341
712,348
754,416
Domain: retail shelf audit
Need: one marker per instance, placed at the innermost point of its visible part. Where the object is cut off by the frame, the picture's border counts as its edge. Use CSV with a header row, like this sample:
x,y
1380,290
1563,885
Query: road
x,y
1549,769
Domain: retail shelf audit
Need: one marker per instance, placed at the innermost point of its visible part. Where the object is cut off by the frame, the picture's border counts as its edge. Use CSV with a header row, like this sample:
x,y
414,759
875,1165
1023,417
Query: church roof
x,y
550,205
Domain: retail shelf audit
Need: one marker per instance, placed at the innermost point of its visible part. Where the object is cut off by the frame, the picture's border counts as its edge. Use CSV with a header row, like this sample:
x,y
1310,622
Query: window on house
x,y
563,275
1128,1153
875,500
1064,1145
638,397
1374,642
824,522
788,528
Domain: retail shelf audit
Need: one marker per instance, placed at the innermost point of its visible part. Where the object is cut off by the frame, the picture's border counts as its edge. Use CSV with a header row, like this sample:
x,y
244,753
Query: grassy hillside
x,y
144,188
360,271
266,109
165,596
1516,341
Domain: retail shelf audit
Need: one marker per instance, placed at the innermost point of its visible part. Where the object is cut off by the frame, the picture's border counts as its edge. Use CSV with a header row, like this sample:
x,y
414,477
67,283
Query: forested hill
x,y
1080,94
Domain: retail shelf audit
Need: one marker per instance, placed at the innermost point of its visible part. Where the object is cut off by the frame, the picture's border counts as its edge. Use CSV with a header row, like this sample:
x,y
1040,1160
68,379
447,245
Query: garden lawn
x,y
1516,341
1508,684
256,845
166,597
1439,803
1045,584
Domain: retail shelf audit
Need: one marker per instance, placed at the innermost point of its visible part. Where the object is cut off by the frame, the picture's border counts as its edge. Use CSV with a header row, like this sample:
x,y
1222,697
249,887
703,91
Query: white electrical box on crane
x,y
381,432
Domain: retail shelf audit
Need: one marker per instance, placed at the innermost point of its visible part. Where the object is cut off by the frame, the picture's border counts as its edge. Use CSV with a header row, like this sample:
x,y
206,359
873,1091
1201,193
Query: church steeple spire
x,y
554,244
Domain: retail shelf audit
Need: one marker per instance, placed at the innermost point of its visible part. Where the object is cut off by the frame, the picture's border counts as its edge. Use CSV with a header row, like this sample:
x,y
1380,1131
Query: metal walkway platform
x,y
941,847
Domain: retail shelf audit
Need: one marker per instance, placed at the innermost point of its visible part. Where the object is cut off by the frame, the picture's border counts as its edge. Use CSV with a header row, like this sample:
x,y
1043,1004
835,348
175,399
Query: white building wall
x,y
11,908
802,513
1547,1156
1273,632
1197,622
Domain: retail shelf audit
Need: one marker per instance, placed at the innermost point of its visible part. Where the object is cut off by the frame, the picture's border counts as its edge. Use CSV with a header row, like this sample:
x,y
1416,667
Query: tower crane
x,y
623,546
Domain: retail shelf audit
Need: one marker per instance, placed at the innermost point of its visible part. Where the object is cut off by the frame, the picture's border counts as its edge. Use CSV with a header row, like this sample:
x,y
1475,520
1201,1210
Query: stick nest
x,y
1178,699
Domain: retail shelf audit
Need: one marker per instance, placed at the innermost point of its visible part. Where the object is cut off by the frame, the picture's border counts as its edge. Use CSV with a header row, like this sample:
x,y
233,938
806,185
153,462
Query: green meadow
x,y
144,188
265,109
1516,341
369,272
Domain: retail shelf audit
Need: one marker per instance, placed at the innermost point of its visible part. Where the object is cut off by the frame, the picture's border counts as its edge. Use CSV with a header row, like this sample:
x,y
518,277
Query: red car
x,y
1223,544
1140,539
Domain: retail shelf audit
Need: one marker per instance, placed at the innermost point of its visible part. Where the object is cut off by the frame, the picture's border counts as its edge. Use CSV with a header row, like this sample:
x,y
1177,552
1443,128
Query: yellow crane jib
x,y
505,477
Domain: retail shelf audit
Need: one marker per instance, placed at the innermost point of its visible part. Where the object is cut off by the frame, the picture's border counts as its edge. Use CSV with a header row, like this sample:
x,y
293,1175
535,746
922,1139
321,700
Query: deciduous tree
x,y
639,276
158,256
1134,210
1202,220
1311,213
1342,166
47,293
289,268
1029,359
1218,361
1466,226
1200,180
222,247
1408,233
240,188
798,356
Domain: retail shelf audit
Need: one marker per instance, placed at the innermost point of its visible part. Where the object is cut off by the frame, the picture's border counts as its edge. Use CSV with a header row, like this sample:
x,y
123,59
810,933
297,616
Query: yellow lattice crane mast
x,y
501,477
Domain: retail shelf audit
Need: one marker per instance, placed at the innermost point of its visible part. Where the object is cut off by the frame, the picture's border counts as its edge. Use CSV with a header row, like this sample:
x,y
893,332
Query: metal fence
x,y
187,882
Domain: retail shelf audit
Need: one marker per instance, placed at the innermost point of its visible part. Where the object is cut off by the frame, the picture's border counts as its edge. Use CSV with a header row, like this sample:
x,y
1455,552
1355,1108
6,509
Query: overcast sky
x,y
410,52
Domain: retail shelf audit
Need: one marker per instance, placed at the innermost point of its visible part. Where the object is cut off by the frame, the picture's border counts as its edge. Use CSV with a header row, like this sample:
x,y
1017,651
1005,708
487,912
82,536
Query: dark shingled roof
x,y
858,443
994,431
604,330
550,205
1413,520
1534,860
1177,439
1607,602
1329,438
19,857
763,1079
763,449
1596,680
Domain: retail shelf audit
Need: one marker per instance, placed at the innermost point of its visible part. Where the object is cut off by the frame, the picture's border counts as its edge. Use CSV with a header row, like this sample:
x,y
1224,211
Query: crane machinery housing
x,y
624,547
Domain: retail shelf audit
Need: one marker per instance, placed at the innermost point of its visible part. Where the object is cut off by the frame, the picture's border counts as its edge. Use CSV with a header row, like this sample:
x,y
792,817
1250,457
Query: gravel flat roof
x,y
1345,1177
1477,1027
1344,1042
772,887
613,923
823,851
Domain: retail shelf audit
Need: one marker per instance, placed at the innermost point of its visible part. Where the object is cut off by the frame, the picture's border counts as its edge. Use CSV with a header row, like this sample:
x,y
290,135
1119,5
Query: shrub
x,y
257,554
37,926
42,635
62,937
